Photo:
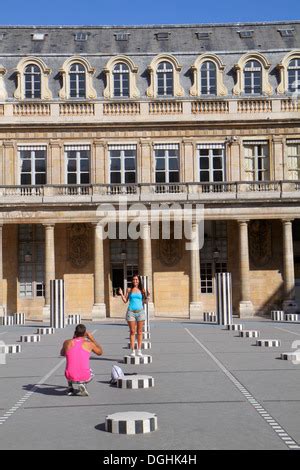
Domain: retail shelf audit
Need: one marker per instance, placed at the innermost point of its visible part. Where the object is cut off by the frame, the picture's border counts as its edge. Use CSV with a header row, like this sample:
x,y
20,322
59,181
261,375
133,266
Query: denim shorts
x,y
135,316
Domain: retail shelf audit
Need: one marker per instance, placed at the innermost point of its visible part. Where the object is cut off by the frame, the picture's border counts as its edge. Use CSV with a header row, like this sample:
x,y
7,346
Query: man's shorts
x,y
135,316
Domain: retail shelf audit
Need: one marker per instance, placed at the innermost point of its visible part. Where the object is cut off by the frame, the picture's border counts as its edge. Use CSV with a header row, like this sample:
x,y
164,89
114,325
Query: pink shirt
x,y
78,362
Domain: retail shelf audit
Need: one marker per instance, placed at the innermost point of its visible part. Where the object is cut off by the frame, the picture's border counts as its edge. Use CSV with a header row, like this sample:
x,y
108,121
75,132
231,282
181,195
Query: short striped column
x,y
146,335
57,312
19,318
30,338
277,315
45,331
224,298
268,343
8,320
291,356
74,319
131,422
137,360
210,317
235,327
249,334
134,382
144,345
145,282
291,317
11,348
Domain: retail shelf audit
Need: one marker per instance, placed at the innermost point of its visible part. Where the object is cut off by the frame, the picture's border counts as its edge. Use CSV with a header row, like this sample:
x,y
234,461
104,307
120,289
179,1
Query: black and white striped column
x,y
134,382
210,317
19,318
131,422
235,327
30,338
224,298
45,331
144,345
74,319
291,317
249,334
268,343
145,282
277,315
57,307
7,320
12,348
137,360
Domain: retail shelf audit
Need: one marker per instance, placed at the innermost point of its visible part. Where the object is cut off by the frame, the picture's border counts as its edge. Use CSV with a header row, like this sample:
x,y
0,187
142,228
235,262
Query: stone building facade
x,y
198,114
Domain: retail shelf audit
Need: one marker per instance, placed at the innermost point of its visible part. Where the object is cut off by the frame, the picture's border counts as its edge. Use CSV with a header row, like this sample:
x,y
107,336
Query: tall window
x,y
77,164
253,78
211,162
32,75
257,160
294,75
165,80
213,255
31,260
32,165
208,78
166,163
122,164
293,159
77,81
121,80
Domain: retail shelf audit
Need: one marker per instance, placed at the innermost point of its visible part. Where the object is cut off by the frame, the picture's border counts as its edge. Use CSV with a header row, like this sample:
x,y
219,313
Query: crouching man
x,y
77,352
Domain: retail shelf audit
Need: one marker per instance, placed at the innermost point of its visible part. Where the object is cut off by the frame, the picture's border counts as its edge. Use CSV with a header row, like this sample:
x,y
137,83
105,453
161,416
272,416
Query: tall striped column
x,y
145,282
224,298
57,306
2,308
147,262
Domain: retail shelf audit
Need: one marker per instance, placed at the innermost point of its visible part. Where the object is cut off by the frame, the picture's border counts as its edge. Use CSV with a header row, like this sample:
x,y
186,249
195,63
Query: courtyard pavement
x,y
213,390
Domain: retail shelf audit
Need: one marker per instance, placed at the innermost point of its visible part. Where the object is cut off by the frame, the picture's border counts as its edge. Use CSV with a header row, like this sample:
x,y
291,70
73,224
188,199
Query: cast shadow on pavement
x,y
57,390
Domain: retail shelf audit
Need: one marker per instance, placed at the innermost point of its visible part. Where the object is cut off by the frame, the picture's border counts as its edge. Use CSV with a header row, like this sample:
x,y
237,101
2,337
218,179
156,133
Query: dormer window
x,y
38,36
246,33
203,35
81,37
33,82
164,75
164,36
121,80
286,33
77,81
253,78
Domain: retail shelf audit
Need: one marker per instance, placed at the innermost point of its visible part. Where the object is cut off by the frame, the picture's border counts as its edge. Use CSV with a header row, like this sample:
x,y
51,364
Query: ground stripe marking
x,y
15,407
288,331
288,441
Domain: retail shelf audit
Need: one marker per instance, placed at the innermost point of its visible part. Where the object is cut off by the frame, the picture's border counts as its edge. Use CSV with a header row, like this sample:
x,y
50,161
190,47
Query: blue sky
x,y
131,12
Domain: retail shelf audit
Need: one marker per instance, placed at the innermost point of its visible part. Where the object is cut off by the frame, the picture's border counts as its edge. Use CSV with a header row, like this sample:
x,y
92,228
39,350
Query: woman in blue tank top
x,y
135,315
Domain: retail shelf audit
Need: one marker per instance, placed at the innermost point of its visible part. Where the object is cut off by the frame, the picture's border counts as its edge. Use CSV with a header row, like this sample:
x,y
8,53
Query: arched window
x,y
77,81
33,81
294,75
121,80
208,78
253,77
165,81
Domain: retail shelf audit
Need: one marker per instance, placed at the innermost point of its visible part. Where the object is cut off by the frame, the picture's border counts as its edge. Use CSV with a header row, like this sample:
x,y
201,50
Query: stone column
x,y
245,307
99,307
99,164
196,306
147,262
49,267
2,307
189,164
9,163
55,163
289,304
233,167
145,161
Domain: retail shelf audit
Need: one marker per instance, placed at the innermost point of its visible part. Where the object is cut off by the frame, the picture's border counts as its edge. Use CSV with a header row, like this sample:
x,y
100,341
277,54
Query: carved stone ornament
x,y
260,242
170,251
79,245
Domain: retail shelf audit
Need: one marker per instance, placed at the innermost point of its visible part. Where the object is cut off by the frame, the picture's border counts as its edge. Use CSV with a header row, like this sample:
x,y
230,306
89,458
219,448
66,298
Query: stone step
x,y
249,334
45,331
133,382
268,343
136,360
30,338
131,422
